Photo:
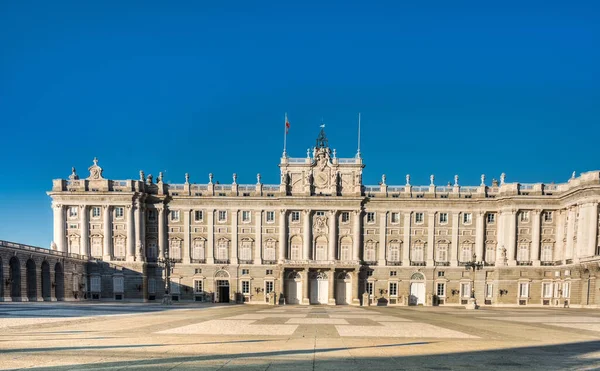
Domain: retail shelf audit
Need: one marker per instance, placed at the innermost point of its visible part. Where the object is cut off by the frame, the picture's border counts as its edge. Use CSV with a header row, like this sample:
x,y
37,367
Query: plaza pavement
x,y
108,336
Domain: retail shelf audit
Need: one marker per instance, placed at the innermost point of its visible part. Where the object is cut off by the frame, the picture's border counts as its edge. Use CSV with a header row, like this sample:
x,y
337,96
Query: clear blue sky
x,y
444,87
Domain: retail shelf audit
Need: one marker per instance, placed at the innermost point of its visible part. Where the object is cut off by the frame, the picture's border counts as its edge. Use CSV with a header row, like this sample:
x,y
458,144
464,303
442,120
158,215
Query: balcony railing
x,y
417,264
396,189
246,261
270,187
372,189
269,262
422,189
546,264
370,262
347,161
296,160
221,261
468,189
444,189
198,261
394,263
442,264
524,263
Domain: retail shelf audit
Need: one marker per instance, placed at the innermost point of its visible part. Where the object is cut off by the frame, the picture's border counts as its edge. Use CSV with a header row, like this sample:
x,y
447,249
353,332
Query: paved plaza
x,y
102,336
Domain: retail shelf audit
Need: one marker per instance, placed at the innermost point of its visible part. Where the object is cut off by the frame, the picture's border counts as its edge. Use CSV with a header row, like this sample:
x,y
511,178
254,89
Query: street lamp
x,y
168,265
473,266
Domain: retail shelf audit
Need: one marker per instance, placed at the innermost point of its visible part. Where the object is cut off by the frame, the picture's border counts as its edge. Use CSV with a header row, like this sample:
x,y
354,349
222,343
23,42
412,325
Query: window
x,y
151,215
370,273
245,216
524,216
393,289
441,273
441,289
393,273
523,252
269,272
566,290
395,218
174,215
443,218
465,289
490,252
369,288
175,249
223,249
296,248
246,249
416,253
269,252
151,286
246,287
394,251
418,218
197,270
467,217
442,252
489,290
268,286
546,255
95,212
270,216
198,215
198,249
175,287
547,289
370,251
523,290
119,246
118,286
119,212
547,216
198,287
320,213
73,211
245,271
370,217
346,247
491,218
466,252
95,284
295,216
345,217
222,217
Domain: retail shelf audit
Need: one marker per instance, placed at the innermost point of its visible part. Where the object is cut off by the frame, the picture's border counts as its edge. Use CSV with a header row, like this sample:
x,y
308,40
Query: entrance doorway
x,y
319,288
222,291
417,289
293,292
343,292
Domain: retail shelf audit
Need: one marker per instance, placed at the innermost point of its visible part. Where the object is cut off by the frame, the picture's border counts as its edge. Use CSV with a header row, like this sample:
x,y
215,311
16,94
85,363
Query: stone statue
x,y
234,178
483,179
142,176
52,245
407,179
573,175
149,179
334,153
456,180
503,255
494,182
431,179
187,178
383,178
160,177
210,178
73,175
309,178
258,178
502,178
308,153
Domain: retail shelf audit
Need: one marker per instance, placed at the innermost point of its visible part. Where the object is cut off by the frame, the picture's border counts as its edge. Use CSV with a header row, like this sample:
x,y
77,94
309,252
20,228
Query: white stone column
x,y
559,246
85,231
258,242
133,231
500,232
406,244
535,237
356,232
479,235
107,239
141,255
210,237
592,229
60,232
282,235
234,236
454,247
187,236
430,238
306,251
161,232
382,238
570,233
332,236
511,237
582,224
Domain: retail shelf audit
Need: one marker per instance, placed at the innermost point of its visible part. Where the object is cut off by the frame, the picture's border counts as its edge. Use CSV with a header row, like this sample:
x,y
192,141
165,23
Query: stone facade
x,y
321,236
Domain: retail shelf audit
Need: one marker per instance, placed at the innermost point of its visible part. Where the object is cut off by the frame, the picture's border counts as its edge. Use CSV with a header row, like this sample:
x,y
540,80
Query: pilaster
x,y
282,235
511,237
382,238
161,232
85,231
107,238
454,248
132,238
258,242
60,234
331,293
305,282
406,244
187,245
210,237
535,237
332,235
479,235
306,250
356,233
430,238
234,236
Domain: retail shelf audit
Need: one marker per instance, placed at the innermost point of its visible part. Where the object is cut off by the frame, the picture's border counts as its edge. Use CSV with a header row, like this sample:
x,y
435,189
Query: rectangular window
x,y
198,286
467,217
491,218
246,216
548,216
295,216
95,284
222,217
174,215
151,215
441,273
393,273
524,216
369,288
73,212
246,287
151,286
443,218
268,286
393,288
119,212
395,218
320,213
345,217
547,289
269,272
245,271
95,212
198,215
441,289
198,270
523,290
489,290
566,290
270,216
175,287
465,289
418,218
370,217
118,286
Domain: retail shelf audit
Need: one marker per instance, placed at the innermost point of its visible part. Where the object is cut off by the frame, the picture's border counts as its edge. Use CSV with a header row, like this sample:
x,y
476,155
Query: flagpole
x,y
285,135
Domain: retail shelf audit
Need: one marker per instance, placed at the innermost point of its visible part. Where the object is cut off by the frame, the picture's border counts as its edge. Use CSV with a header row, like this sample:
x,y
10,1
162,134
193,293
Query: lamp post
x,y
473,266
168,265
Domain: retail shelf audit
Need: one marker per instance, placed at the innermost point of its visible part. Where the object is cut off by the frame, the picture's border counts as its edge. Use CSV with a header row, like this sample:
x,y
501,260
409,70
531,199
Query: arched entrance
x,y
319,288
59,282
222,287
15,278
293,291
343,292
31,281
417,289
46,289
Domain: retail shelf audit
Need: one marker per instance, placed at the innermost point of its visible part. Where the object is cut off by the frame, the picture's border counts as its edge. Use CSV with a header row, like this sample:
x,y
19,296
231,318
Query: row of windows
x,y
73,212
221,216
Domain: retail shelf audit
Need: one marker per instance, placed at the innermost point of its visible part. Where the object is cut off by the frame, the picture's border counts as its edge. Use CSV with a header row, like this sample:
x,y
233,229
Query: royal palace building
x,y
322,237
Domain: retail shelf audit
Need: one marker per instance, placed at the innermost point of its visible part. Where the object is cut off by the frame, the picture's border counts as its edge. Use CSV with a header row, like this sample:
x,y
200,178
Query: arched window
x,y
246,249
417,251
198,251
490,252
442,251
223,249
175,248
269,249
523,251
395,251
466,251
296,248
346,249
321,248
547,248
370,251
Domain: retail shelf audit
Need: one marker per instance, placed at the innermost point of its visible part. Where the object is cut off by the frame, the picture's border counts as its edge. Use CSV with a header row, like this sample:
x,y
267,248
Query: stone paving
x,y
101,336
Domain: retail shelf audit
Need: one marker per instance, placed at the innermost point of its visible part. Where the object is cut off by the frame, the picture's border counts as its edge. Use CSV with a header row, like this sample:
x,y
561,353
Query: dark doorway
x,y
59,282
31,281
223,291
15,278
46,290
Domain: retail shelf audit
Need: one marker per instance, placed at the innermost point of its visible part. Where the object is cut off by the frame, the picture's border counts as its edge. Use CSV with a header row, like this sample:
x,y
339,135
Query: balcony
x,y
442,264
546,264
394,263
489,264
198,261
221,261
417,264
523,263
243,262
370,262
269,262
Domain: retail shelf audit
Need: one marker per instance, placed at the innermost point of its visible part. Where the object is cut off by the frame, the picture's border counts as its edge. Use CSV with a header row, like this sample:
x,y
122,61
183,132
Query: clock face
x,y
321,179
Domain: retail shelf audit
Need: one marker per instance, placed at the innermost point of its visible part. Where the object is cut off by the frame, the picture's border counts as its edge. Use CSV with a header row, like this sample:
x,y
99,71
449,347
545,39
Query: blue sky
x,y
444,87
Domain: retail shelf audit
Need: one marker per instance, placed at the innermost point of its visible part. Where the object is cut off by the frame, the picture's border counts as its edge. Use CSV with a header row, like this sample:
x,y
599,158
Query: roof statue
x,y
95,171
322,141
